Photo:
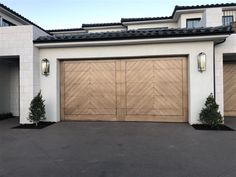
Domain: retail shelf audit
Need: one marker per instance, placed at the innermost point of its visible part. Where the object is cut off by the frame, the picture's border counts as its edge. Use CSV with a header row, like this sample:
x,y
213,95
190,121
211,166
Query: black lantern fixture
x,y
45,66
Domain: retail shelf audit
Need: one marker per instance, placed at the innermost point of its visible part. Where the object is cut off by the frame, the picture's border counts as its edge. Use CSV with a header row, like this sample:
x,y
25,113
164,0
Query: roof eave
x,y
19,17
60,44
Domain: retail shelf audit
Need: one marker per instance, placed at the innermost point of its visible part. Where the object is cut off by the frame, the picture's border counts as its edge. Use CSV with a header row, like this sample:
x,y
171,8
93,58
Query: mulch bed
x,y
207,127
41,125
6,116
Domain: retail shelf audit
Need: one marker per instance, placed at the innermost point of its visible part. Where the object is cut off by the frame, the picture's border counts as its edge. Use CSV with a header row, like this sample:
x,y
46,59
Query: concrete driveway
x,y
116,149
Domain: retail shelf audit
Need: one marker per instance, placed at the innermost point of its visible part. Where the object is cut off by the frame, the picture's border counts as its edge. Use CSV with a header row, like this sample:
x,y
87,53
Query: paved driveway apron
x,y
116,149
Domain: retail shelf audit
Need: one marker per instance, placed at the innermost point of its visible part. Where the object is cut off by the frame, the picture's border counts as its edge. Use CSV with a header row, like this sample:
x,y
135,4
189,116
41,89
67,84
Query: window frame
x,y
8,22
192,19
223,21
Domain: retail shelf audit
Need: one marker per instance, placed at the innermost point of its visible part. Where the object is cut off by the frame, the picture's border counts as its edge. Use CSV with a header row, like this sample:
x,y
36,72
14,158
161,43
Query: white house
x,y
139,69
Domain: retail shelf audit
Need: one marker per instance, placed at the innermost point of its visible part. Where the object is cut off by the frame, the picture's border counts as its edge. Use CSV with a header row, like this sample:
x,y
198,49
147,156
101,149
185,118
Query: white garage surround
x,y
17,41
200,85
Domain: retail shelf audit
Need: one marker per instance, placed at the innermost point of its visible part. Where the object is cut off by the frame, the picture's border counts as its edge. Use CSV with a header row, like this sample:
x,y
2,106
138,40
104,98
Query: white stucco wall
x,y
152,25
18,41
212,17
200,84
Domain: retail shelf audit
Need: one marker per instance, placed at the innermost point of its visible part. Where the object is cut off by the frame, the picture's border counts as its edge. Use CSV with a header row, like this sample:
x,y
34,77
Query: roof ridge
x,y
207,5
178,7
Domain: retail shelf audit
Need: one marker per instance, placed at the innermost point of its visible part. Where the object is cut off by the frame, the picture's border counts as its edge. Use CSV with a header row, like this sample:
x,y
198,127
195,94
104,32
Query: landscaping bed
x,y
40,125
221,127
6,116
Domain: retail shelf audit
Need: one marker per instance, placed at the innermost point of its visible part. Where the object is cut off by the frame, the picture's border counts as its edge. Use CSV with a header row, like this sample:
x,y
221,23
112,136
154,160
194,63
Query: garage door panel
x,y
138,76
134,65
101,111
103,89
73,103
151,89
102,76
168,63
168,112
174,89
146,111
102,66
135,89
76,89
139,101
229,89
168,76
164,89
78,67
76,77
102,101
168,105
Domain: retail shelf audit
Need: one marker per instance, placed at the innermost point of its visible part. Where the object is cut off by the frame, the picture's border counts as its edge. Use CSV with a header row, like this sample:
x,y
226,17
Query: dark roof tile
x,y
204,6
137,34
175,9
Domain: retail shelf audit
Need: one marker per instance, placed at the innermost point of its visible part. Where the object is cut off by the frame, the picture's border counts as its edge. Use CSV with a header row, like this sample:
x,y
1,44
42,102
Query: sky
x,y
61,14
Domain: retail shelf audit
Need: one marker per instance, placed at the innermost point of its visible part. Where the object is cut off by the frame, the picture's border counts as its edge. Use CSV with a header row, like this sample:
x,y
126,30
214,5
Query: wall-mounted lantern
x,y
201,61
45,67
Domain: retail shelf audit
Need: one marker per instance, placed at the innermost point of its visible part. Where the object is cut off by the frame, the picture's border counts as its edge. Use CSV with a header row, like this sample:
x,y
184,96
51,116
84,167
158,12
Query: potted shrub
x,y
37,109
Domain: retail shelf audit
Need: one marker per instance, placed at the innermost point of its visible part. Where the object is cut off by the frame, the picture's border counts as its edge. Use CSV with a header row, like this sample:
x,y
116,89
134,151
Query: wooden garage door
x,y
150,89
230,89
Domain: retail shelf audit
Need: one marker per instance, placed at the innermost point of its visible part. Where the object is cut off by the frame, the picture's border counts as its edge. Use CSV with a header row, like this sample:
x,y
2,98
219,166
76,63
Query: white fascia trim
x,y
130,42
148,22
70,32
104,27
229,8
11,15
187,11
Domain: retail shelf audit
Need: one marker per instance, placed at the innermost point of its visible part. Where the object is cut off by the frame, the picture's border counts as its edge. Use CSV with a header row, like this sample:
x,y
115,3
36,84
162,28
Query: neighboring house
x,y
140,69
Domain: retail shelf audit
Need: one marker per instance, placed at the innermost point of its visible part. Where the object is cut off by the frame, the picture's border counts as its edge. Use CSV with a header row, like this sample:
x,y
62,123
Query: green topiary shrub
x,y
37,109
210,114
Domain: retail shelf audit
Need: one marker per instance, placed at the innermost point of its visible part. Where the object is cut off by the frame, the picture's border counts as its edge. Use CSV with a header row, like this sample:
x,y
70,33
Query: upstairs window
x,y
227,20
6,23
193,23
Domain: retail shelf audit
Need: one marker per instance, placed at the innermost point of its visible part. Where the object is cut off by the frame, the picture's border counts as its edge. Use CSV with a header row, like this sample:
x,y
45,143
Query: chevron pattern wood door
x,y
89,90
230,89
156,89
151,89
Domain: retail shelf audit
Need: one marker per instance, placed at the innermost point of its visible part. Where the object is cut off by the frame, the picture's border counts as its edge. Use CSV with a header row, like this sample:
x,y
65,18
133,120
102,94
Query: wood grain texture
x,y
90,89
230,89
151,89
156,89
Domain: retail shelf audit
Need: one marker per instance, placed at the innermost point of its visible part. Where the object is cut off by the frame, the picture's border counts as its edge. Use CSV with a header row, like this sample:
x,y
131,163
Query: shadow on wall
x,y
9,90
